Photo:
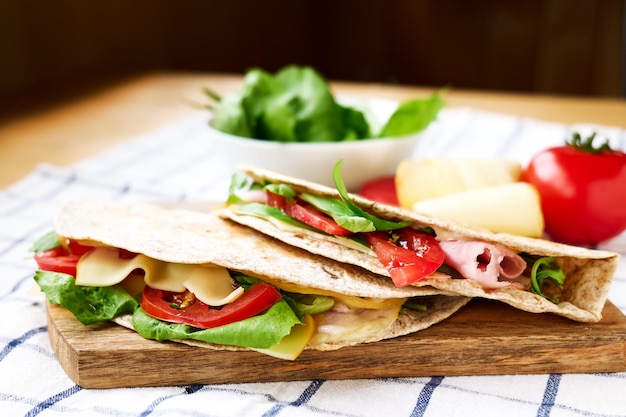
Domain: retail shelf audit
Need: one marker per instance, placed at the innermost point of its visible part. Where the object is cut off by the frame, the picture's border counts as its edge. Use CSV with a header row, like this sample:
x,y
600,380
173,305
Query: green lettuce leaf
x,y
88,304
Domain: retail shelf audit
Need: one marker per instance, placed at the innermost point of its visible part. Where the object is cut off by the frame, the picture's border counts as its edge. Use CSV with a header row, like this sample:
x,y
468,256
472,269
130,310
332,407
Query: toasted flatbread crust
x,y
589,272
192,237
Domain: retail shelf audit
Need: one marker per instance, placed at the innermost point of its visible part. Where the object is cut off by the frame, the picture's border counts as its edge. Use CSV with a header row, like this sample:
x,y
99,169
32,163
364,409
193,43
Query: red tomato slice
x,y
381,190
256,299
275,200
308,214
78,248
411,257
57,260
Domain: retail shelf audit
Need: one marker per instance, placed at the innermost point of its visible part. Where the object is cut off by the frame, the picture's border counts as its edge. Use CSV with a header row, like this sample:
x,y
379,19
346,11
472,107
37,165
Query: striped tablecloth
x,y
179,163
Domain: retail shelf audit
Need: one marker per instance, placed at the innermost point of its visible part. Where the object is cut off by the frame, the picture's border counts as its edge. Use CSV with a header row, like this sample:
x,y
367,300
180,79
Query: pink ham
x,y
493,266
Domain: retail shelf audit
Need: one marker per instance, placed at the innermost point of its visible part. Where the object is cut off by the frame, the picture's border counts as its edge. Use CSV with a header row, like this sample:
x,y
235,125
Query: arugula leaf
x,y
317,115
261,331
88,304
355,122
244,280
211,94
340,212
259,87
280,119
378,223
412,305
309,304
300,303
230,116
295,104
413,116
546,268
281,189
45,243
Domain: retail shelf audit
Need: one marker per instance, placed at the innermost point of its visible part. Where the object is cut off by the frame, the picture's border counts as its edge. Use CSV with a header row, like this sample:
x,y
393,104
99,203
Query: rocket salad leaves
x,y
297,105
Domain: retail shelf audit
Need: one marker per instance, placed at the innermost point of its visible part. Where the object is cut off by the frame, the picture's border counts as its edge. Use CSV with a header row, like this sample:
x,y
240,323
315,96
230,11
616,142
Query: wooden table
x,y
94,122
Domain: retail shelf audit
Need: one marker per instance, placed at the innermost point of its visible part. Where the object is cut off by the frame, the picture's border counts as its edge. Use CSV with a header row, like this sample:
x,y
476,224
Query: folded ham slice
x,y
491,265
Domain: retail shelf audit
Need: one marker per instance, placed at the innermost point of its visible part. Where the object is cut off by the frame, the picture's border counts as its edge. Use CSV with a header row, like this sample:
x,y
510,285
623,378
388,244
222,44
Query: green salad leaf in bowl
x,y
297,105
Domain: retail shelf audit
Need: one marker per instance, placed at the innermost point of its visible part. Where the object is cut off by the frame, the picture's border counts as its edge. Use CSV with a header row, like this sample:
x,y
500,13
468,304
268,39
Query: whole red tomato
x,y
582,189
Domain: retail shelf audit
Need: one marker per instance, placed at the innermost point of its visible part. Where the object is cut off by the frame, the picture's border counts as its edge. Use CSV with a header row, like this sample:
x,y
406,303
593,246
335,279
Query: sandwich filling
x,y
405,252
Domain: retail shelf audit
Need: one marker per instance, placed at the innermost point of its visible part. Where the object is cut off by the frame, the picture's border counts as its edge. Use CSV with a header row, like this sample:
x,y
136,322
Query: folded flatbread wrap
x,y
366,308
588,273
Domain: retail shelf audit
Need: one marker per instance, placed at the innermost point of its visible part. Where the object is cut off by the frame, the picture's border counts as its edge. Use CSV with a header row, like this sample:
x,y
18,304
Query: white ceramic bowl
x,y
363,160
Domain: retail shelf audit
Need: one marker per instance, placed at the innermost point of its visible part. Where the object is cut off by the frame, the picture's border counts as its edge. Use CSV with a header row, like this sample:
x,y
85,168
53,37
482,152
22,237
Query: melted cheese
x,y
349,300
344,325
102,267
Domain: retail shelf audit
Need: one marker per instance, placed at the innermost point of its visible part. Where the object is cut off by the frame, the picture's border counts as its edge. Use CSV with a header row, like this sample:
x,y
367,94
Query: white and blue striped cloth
x,y
178,163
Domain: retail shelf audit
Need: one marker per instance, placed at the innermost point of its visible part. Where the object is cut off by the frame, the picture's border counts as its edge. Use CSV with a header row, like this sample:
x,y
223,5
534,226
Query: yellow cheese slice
x,y
102,267
212,285
290,347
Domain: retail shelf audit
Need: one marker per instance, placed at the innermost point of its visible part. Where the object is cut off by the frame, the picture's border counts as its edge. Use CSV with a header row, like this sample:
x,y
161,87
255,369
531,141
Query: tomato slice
x,y
78,248
408,257
308,214
381,190
61,259
256,299
57,260
275,200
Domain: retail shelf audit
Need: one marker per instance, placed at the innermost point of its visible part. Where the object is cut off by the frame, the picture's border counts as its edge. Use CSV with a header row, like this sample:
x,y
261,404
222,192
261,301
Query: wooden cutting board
x,y
484,338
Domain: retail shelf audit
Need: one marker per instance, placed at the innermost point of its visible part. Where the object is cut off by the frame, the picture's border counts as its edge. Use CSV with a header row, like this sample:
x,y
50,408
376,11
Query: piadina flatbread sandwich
x,y
192,277
534,275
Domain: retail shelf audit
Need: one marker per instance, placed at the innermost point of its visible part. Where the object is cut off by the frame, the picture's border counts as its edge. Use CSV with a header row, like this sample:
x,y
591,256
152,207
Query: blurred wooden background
x,y
554,46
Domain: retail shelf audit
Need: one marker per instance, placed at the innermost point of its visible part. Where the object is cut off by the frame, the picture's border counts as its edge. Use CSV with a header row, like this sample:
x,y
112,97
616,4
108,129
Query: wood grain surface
x,y
484,338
